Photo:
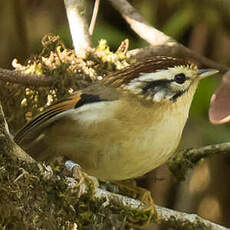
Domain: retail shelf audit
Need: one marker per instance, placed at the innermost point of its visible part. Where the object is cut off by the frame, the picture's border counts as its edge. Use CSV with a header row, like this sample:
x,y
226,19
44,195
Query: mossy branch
x,y
187,159
170,218
88,205
7,145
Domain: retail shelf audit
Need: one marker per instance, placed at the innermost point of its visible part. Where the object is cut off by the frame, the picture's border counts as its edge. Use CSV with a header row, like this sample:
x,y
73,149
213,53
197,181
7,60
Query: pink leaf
x,y
219,111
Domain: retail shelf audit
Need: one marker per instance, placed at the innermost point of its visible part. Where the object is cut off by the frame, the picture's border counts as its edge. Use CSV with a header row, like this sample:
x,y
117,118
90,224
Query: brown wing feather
x,y
94,93
51,111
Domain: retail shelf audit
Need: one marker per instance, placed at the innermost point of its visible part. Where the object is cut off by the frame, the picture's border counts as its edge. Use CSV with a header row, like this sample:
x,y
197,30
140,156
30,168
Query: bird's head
x,y
161,78
168,84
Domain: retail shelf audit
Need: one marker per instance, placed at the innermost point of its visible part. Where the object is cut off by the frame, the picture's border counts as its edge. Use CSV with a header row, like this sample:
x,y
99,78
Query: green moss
x,y
172,223
182,161
28,201
31,201
70,72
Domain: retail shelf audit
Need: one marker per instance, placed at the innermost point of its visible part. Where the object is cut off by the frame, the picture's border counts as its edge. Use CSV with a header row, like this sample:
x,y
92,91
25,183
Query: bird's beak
x,y
203,73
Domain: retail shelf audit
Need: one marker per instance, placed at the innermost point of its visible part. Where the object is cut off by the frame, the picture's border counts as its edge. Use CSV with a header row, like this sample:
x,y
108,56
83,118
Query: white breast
x,y
95,112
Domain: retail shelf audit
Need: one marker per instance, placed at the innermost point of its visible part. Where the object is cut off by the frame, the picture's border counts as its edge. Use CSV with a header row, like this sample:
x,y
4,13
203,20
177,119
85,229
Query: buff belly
x,y
127,149
119,140
134,155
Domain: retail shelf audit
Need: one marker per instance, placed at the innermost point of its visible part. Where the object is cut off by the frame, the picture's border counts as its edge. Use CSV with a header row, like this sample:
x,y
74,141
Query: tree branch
x,y
94,17
184,160
7,145
26,79
140,25
177,50
163,44
78,26
165,216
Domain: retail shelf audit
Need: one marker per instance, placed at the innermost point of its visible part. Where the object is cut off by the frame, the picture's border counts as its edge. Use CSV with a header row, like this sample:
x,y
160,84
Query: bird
x,y
123,126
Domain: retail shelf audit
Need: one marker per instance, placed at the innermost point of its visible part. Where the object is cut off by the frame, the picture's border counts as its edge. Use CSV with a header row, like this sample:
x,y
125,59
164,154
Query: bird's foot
x,y
82,177
145,197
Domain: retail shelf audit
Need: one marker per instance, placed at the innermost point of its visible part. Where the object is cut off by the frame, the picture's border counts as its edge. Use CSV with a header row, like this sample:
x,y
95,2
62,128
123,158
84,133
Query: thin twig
x,y
139,24
207,151
163,44
26,79
176,51
94,17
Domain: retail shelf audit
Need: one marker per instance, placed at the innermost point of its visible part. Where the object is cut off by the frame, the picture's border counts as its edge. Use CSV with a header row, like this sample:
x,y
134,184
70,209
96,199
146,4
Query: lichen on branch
x,y
62,71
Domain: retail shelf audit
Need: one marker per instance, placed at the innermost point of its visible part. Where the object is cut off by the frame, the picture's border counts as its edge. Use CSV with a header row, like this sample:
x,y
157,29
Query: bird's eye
x,y
180,78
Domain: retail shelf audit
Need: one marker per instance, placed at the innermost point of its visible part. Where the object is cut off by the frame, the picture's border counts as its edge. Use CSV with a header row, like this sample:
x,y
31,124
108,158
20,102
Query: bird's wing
x,y
58,110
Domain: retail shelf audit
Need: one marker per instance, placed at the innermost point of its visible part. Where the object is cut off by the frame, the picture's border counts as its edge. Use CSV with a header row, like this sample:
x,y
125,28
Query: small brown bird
x,y
123,127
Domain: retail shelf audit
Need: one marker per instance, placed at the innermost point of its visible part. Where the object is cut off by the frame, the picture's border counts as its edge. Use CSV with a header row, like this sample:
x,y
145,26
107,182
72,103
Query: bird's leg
x,y
143,195
81,176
